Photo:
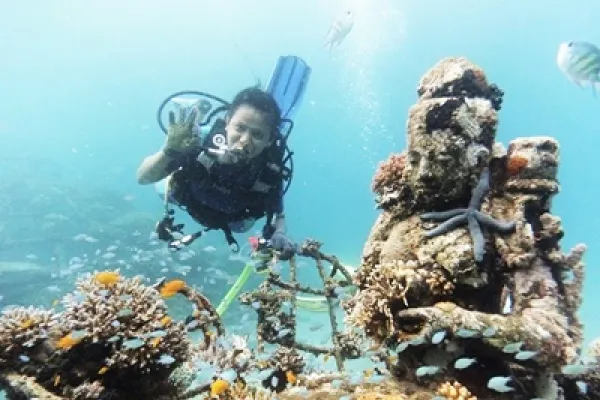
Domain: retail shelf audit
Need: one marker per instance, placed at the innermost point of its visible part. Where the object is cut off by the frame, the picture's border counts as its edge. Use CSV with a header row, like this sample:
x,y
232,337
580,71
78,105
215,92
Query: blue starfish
x,y
472,217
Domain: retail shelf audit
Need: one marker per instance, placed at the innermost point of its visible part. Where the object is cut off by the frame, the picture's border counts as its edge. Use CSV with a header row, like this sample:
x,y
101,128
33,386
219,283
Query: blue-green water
x,y
81,82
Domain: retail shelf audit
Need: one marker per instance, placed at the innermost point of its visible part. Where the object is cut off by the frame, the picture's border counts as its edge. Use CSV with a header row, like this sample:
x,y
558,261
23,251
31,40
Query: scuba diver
x,y
236,173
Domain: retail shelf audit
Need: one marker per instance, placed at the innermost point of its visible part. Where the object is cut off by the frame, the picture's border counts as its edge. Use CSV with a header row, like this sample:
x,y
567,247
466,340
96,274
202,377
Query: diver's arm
x,y
155,167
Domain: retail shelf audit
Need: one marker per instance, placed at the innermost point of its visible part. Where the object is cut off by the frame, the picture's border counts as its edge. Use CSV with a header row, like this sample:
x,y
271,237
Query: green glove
x,y
182,135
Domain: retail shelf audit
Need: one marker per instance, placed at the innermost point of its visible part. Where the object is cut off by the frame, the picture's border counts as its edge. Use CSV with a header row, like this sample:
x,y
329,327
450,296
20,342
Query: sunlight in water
x,y
379,28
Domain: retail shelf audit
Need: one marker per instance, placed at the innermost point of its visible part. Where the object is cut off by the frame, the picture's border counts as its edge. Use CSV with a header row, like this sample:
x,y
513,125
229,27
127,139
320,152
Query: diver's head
x,y
252,123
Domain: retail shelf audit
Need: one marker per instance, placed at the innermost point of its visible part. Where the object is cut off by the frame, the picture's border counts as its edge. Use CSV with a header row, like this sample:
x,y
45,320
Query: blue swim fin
x,y
288,84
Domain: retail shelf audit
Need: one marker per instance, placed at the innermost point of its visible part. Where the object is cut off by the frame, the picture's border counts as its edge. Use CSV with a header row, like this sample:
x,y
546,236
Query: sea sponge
x,y
128,318
515,164
22,331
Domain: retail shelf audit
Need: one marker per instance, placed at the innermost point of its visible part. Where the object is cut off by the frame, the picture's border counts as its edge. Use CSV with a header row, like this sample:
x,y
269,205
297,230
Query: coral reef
x,y
113,336
463,291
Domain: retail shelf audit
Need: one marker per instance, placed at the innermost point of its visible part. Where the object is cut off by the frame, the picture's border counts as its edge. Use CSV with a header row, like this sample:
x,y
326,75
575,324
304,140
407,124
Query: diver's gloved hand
x,y
182,135
181,138
283,245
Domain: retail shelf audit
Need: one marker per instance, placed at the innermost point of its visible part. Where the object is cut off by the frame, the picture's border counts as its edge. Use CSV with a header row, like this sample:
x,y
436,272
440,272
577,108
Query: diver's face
x,y
248,132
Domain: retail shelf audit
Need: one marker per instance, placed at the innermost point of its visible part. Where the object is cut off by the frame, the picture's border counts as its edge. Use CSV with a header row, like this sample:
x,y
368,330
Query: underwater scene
x,y
337,199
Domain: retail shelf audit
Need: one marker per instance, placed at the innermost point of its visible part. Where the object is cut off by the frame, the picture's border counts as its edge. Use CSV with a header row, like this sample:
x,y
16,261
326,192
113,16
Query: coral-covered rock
x,y
466,261
458,77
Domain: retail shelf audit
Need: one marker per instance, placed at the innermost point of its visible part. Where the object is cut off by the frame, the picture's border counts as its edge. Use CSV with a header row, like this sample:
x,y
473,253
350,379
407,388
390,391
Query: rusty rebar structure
x,y
276,325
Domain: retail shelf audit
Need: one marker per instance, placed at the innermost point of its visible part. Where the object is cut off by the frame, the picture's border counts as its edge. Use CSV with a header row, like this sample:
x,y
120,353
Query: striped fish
x,y
580,62
339,29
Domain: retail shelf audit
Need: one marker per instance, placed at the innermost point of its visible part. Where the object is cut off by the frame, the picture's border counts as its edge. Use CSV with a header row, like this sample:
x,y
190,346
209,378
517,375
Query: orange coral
x,y
516,164
389,172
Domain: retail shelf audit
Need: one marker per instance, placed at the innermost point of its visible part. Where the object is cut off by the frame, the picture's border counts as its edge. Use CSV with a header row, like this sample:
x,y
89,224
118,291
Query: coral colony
x,y
463,291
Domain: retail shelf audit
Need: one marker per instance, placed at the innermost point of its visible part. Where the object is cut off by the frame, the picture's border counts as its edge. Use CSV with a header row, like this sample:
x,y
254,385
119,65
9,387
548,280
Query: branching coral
x,y
389,174
23,333
389,287
129,319
114,336
287,359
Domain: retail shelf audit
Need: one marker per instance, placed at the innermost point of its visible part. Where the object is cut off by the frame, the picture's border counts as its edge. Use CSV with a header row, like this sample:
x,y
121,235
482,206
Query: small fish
x,y
192,325
525,355
489,332
582,386
155,334
402,346
339,29
512,347
498,383
573,369
79,334
466,333
463,363
126,312
229,375
438,337
166,359
580,62
284,332
427,370
133,343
